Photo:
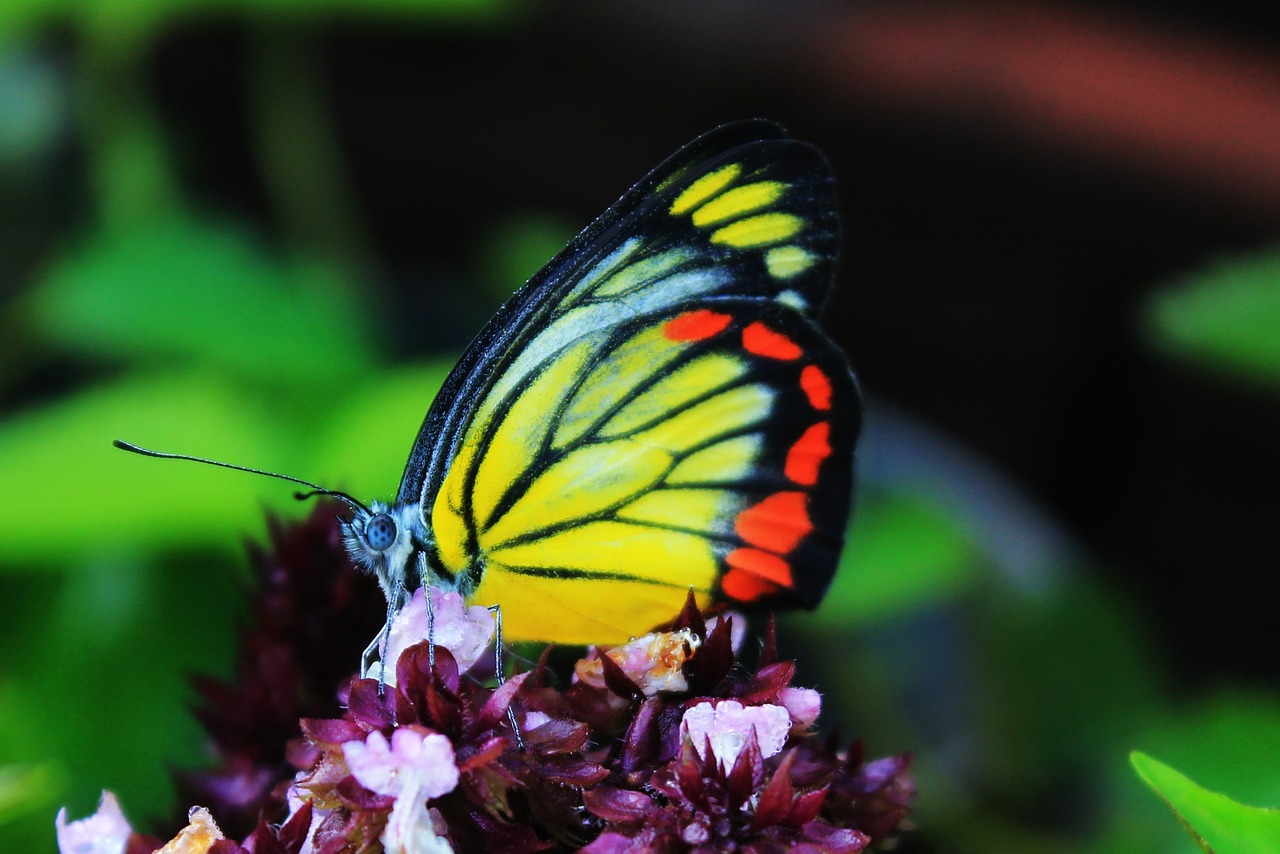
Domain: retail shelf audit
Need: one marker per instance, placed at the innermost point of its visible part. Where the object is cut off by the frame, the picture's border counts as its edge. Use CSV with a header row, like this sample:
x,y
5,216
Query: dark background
x,y
1021,184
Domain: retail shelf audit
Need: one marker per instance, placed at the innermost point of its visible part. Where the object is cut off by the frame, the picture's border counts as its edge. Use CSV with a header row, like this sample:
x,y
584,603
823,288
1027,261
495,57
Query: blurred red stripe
x,y
1171,105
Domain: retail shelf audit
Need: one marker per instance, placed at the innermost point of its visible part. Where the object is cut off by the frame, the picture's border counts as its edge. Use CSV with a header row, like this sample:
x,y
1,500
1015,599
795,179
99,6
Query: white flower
x,y
411,829
728,725
105,832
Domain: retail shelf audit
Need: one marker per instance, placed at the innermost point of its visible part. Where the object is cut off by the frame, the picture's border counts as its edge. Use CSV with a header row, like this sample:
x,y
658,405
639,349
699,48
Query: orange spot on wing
x,y
754,574
763,341
807,454
695,325
777,523
817,387
742,586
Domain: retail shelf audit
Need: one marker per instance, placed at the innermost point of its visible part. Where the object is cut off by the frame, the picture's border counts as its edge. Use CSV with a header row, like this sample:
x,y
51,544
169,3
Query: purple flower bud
x,y
803,704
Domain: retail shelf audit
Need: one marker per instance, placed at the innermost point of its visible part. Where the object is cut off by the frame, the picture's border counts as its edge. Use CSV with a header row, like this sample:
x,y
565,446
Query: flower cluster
x,y
667,743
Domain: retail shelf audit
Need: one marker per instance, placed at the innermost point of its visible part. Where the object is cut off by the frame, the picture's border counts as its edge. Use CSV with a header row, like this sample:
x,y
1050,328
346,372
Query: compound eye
x,y
380,532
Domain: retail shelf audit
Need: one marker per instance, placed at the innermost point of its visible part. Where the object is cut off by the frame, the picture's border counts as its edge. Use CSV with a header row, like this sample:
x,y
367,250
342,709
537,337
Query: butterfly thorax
x,y
392,543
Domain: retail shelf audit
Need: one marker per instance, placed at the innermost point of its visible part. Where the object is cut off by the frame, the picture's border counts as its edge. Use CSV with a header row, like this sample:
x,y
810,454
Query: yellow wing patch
x,y
694,426
648,352
674,391
616,548
519,433
582,610
747,216
787,262
705,188
582,484
725,460
737,202
691,509
763,230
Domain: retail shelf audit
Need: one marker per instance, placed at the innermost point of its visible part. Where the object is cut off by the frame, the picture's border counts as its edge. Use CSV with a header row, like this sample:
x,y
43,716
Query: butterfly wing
x,y
655,411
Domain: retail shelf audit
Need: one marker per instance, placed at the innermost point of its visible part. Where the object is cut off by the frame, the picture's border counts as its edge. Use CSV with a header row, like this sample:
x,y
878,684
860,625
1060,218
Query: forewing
x,y
743,211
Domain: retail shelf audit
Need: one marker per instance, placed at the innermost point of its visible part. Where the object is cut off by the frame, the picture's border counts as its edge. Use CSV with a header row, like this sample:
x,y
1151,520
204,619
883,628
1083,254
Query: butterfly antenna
x,y
315,489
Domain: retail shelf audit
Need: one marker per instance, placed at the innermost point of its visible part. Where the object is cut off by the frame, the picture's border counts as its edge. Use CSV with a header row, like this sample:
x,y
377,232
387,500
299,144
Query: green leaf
x,y
902,554
182,293
69,493
1226,318
24,788
1231,737
98,686
1218,824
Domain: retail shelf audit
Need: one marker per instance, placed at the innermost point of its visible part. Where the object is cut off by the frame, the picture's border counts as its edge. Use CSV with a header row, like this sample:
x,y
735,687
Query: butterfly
x,y
654,412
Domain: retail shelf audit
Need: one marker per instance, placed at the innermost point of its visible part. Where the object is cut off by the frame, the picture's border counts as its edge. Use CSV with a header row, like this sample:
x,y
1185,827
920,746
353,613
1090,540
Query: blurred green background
x,y
262,231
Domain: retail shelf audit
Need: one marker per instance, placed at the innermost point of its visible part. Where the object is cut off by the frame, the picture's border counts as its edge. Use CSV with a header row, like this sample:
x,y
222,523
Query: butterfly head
x,y
383,539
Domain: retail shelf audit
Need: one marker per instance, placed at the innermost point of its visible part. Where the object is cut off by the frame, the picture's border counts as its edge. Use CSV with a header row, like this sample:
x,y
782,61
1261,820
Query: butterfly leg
x,y
431,631
380,641
496,610
393,606
371,652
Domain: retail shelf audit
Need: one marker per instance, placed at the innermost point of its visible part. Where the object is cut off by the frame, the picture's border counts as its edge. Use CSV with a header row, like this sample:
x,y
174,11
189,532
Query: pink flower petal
x,y
803,704
728,725
465,632
414,760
